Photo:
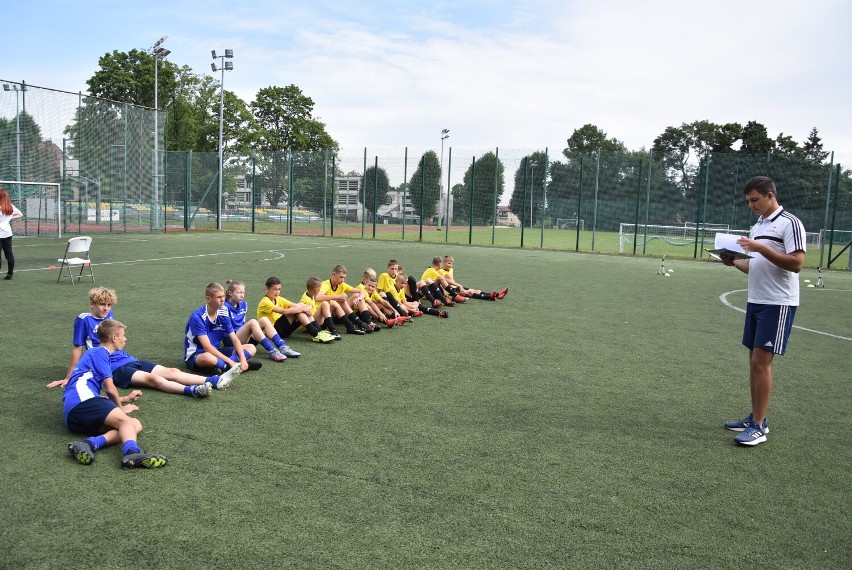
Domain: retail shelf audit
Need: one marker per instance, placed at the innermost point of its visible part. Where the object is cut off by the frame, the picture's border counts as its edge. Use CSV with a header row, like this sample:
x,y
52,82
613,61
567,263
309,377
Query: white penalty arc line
x,y
177,257
724,298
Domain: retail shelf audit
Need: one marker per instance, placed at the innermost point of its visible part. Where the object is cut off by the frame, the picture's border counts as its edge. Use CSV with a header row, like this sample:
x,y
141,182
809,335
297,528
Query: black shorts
x,y
122,375
88,417
284,327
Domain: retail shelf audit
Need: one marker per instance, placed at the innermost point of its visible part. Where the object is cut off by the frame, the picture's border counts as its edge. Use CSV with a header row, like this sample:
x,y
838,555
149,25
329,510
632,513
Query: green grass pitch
x,y
576,423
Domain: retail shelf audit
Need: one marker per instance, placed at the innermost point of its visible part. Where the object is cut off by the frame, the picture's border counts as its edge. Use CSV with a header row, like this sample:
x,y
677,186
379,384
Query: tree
x,y
484,188
755,139
425,185
786,146
374,190
128,77
283,120
812,147
528,195
588,139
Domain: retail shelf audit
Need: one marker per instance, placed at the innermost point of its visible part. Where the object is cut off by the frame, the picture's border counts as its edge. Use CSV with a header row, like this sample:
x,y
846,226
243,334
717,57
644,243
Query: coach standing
x,y
8,212
777,245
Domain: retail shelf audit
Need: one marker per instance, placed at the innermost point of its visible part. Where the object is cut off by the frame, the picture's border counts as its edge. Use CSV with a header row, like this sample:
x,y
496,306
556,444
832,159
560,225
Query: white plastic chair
x,y
79,245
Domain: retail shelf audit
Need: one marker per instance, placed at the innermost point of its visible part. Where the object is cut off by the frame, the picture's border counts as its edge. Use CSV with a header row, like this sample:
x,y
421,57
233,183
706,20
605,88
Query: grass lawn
x,y
576,423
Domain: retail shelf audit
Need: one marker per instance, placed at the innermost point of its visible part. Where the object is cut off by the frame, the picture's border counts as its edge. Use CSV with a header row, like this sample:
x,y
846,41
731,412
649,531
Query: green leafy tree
x,y
755,139
425,185
482,188
374,189
284,121
588,139
528,195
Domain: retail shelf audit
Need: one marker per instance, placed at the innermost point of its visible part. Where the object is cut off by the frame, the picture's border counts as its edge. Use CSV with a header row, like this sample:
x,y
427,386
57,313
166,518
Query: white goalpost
x,y
40,204
570,224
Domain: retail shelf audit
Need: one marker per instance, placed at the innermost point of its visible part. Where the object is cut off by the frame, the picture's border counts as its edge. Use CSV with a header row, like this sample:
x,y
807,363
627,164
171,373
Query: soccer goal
x,y
39,203
570,224
662,240
717,227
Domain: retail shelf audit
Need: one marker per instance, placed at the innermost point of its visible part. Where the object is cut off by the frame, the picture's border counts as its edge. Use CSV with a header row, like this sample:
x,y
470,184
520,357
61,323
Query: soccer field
x,y
576,423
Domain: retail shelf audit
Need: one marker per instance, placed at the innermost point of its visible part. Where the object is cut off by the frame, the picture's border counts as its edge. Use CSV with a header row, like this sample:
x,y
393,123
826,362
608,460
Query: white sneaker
x,y
228,377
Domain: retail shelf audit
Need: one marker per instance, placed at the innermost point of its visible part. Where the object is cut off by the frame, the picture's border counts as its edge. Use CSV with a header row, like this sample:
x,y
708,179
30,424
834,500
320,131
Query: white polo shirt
x,y
768,284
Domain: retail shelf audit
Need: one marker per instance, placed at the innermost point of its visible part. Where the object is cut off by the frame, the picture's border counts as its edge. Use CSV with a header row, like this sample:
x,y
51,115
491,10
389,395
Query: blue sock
x,y
187,390
130,446
247,354
214,380
97,442
278,341
265,343
221,364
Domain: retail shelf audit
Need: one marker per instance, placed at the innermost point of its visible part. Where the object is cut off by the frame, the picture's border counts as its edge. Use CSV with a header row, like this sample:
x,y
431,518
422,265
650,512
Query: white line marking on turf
x,y
314,246
724,298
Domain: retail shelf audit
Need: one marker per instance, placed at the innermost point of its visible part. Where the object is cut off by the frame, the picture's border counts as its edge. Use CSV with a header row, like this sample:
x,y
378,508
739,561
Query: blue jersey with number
x,y
200,324
87,379
86,329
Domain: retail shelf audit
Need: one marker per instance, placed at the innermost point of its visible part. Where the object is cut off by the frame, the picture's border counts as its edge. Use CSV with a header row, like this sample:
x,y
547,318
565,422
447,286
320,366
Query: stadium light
x,y
223,66
445,134
159,52
14,87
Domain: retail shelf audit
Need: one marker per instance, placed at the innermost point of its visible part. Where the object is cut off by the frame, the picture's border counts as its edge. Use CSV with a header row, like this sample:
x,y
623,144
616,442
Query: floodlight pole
x,y
223,65
445,134
159,53
533,164
14,87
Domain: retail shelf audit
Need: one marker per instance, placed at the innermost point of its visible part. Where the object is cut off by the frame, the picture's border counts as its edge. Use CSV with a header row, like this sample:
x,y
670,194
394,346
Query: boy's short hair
x,y
313,283
272,281
437,260
370,273
232,285
448,258
402,275
339,269
213,288
399,267
763,184
392,262
108,328
102,295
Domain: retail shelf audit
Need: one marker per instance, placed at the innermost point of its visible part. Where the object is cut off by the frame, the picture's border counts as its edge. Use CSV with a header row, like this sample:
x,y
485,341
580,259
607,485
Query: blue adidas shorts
x,y
88,417
768,327
121,376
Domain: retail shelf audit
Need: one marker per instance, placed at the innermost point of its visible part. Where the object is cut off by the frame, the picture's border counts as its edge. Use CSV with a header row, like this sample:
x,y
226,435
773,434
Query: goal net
x,y
662,240
39,203
570,224
717,227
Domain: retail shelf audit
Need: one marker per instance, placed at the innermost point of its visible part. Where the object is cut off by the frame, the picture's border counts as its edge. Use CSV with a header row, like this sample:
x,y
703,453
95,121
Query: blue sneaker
x,y
752,435
742,425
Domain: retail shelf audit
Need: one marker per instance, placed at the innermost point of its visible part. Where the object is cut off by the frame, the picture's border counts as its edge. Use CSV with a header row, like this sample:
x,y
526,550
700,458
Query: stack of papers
x,y
726,245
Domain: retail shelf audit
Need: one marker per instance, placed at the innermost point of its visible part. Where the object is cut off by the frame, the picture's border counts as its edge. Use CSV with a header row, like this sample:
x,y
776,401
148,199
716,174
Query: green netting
x,y
115,177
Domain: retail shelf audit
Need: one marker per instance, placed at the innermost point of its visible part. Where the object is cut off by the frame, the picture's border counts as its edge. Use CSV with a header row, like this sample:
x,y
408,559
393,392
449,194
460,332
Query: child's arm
x,y
112,394
208,347
76,353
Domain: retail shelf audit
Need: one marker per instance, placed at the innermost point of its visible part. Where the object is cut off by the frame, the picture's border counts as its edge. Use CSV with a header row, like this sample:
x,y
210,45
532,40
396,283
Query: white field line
x,y
278,252
724,298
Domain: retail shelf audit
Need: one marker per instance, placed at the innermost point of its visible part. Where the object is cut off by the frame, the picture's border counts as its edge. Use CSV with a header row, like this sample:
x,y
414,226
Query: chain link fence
x,y
114,176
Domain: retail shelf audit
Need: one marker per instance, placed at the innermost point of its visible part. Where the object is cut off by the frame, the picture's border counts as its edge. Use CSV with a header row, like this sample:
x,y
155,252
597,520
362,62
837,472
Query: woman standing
x,y
8,212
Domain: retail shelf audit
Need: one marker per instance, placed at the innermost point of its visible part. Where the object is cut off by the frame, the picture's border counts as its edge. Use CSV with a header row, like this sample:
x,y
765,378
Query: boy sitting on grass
x,y
127,370
375,306
320,310
205,330
341,297
254,331
287,316
103,419
448,282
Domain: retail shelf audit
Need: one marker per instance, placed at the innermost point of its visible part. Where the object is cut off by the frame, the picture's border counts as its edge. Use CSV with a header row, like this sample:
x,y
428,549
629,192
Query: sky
x,y
521,75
